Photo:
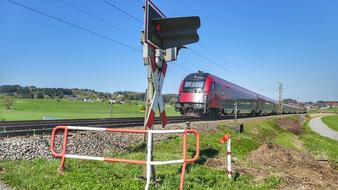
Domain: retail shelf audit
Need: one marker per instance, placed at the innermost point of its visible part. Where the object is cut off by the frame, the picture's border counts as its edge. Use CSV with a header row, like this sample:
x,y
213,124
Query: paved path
x,y
317,125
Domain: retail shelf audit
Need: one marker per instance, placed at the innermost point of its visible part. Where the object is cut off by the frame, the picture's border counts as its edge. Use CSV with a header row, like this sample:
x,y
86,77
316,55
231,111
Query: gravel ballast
x,y
91,143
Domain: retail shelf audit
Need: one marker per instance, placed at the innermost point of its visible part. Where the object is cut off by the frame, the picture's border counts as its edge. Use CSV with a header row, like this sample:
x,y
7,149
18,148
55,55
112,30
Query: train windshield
x,y
193,86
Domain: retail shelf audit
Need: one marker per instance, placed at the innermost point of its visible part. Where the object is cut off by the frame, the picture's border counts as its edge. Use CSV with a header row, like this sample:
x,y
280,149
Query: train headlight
x,y
205,97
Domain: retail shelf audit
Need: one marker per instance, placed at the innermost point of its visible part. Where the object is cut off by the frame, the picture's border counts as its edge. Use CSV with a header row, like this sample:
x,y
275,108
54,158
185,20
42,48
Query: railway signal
x,y
162,39
164,33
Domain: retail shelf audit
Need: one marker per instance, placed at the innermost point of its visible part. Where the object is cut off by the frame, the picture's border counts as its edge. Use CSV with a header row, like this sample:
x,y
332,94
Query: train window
x,y
213,86
193,86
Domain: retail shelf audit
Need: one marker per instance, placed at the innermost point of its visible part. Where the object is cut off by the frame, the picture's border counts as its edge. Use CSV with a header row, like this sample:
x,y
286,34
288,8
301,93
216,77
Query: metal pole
x,y
111,110
280,94
236,111
147,52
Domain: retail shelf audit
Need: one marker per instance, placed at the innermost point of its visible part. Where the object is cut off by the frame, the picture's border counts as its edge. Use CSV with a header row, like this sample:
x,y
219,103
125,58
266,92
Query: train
x,y
204,94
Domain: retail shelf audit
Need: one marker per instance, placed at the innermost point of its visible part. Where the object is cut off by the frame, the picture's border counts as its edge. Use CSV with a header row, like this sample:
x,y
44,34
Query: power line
x,y
96,18
224,60
139,1
207,59
122,11
218,65
182,67
75,26
193,51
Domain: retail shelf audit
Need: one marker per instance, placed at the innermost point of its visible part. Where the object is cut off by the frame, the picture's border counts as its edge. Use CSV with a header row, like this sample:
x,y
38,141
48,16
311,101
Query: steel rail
x,y
22,128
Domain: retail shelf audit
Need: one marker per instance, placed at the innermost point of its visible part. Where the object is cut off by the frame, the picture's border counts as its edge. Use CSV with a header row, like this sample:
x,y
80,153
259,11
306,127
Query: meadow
x,y
32,109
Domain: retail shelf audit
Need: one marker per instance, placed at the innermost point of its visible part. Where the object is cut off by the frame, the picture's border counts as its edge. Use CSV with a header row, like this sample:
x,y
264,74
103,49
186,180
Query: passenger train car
x,y
205,94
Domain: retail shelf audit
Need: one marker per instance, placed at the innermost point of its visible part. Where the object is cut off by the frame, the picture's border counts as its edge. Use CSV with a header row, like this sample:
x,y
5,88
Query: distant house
x,y
87,100
332,104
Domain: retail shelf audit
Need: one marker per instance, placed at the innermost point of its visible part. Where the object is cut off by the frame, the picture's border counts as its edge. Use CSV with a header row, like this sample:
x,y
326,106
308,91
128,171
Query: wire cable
x,y
122,11
96,18
225,61
75,26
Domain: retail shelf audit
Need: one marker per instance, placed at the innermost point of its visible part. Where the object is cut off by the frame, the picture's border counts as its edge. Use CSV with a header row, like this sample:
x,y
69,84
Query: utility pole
x,y
147,52
280,97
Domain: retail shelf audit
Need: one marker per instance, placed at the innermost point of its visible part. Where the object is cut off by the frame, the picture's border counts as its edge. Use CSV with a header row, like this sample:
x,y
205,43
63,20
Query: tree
x,y
8,102
172,100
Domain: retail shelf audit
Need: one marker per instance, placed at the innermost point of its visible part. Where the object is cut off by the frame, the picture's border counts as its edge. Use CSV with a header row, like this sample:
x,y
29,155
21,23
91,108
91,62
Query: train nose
x,y
192,98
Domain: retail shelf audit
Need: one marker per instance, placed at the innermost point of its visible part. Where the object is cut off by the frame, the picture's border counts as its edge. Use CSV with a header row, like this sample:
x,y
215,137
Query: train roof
x,y
245,89
197,76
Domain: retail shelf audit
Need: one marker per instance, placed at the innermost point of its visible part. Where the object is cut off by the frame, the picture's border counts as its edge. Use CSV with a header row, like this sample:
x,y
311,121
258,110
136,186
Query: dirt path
x,y
317,125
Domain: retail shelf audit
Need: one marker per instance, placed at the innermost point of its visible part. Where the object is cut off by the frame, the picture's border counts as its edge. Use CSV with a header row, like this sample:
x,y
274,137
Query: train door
x,y
228,103
212,96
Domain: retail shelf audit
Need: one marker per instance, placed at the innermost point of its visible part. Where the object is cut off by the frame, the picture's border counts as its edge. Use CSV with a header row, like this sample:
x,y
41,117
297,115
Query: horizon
x,y
253,44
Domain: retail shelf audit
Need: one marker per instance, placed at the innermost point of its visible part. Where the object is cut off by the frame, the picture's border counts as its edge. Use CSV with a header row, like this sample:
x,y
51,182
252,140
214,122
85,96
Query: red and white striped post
x,y
227,138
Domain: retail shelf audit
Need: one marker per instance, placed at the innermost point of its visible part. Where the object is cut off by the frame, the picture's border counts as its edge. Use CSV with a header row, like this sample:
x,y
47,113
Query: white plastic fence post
x,y
229,157
149,145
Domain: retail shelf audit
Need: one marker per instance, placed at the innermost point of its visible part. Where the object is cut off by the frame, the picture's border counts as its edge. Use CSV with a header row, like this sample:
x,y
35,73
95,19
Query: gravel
x,y
4,186
90,143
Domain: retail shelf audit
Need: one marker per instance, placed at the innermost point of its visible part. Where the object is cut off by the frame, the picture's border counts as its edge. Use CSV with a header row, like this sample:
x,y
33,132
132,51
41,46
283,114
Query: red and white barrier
x,y
226,138
63,155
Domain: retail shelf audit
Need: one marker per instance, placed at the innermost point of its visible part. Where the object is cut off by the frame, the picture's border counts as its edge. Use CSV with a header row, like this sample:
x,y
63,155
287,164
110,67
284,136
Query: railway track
x,y
22,128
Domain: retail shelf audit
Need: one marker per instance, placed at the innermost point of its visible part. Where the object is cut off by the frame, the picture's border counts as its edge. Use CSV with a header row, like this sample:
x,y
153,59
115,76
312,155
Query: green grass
x,y
28,109
322,147
328,110
331,121
42,174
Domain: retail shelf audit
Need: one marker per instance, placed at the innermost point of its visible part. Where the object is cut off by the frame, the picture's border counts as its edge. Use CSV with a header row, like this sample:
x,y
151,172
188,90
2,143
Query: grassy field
x,y
331,121
28,109
329,110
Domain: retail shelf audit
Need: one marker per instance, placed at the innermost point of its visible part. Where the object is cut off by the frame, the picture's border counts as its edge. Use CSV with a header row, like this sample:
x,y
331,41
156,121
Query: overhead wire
x,y
122,30
75,26
193,51
97,18
244,74
122,11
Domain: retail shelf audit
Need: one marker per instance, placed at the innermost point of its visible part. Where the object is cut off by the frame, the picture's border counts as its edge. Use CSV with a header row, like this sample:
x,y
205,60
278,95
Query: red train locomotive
x,y
205,94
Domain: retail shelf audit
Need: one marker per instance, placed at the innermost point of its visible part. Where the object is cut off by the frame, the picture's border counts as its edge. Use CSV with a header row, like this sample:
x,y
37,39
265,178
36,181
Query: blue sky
x,y
256,42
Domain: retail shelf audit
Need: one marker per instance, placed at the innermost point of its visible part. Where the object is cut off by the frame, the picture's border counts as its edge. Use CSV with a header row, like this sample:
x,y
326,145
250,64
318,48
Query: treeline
x,y
32,92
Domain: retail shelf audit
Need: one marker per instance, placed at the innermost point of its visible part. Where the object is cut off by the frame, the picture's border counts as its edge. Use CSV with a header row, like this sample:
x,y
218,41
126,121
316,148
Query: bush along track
x,y
270,154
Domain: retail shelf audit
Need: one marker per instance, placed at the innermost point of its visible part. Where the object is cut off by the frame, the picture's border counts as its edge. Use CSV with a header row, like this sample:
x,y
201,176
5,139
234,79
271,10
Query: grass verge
x,y
322,147
331,121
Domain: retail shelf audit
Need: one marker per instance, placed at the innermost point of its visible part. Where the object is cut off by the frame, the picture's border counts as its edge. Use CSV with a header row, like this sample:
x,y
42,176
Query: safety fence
x,y
149,162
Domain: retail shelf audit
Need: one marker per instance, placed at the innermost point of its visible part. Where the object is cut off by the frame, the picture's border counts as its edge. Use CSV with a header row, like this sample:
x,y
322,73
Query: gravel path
x,y
317,125
4,187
